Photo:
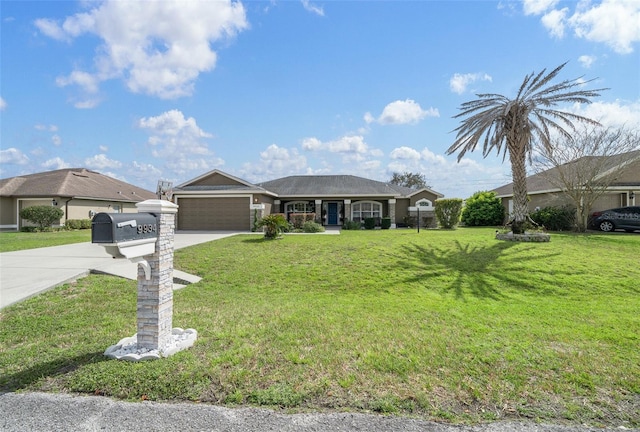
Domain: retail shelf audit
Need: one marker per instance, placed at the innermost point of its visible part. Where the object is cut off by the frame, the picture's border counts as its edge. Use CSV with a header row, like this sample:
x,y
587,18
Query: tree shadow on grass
x,y
483,272
49,369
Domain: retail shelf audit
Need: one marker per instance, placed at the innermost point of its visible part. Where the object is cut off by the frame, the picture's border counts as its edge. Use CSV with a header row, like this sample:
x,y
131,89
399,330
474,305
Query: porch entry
x,y
332,213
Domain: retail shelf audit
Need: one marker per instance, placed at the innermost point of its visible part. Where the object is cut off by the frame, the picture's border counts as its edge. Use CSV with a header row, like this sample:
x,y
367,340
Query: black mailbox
x,y
123,227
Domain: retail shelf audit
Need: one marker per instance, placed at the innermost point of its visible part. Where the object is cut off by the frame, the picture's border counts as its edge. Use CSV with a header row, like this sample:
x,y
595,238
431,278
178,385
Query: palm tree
x,y
515,126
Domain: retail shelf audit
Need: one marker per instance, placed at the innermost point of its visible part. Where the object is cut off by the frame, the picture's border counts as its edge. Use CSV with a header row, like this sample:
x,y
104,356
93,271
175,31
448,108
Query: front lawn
x,y
14,241
445,325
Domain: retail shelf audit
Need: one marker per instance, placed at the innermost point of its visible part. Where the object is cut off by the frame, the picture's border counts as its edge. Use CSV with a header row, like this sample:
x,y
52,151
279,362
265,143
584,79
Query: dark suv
x,y
626,218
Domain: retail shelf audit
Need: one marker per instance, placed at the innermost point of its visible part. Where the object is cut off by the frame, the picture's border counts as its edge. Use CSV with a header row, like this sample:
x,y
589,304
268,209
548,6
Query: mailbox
x,y
125,235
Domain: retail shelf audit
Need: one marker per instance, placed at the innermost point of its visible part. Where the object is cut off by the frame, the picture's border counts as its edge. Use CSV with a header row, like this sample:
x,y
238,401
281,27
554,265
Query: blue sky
x,y
150,90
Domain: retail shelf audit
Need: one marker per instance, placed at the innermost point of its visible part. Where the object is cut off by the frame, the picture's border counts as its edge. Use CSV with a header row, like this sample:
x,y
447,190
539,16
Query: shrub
x,y
410,221
555,218
369,223
386,223
78,224
312,227
351,225
43,216
484,208
427,221
273,225
299,219
448,212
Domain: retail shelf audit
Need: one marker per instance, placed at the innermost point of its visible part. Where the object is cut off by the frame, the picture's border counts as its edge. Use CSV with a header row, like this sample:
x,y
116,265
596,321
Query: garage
x,y
212,214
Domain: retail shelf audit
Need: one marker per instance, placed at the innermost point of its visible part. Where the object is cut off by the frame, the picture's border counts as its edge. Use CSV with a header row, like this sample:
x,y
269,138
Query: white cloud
x,y
13,156
181,142
276,162
172,134
3,104
537,7
459,82
369,118
182,166
101,162
402,112
554,22
404,153
612,22
429,156
55,163
103,148
56,140
318,10
348,144
612,114
311,144
587,61
157,47
48,128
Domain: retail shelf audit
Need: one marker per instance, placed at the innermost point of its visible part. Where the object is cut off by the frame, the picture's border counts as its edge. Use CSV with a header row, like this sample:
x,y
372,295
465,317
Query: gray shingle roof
x,y
540,182
73,182
329,185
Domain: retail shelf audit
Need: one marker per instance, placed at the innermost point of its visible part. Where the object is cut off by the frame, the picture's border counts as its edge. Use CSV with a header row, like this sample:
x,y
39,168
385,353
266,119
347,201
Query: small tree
x,y
43,216
273,225
484,208
410,180
585,164
448,212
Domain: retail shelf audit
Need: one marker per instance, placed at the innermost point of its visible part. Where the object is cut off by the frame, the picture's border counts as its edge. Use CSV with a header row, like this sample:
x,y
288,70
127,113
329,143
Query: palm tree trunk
x,y
517,156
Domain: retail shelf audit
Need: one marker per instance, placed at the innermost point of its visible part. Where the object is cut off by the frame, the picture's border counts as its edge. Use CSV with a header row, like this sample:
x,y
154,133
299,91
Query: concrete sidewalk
x,y
26,273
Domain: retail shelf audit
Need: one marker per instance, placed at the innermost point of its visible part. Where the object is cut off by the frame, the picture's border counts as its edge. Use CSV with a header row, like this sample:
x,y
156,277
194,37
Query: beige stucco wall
x,y
74,209
80,209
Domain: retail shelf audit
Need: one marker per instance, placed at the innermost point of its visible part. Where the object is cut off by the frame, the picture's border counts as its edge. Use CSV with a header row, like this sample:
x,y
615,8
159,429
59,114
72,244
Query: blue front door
x,y
332,214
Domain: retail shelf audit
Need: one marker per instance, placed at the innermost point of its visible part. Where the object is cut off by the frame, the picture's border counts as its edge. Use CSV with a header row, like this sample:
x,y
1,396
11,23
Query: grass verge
x,y
15,241
446,325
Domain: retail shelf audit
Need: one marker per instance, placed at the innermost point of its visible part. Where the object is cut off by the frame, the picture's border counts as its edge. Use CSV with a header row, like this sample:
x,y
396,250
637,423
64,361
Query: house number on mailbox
x,y
147,228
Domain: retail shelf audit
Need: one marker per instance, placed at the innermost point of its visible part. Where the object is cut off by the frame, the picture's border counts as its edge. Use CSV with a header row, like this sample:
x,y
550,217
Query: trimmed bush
x,y
410,221
483,208
351,225
78,224
42,216
369,223
448,212
312,227
555,218
386,223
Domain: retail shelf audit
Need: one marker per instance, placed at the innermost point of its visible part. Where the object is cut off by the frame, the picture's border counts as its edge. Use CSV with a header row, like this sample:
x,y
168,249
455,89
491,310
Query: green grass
x,y
15,241
446,325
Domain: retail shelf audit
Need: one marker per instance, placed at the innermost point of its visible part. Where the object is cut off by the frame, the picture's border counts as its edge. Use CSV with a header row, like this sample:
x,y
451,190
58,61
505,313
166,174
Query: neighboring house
x,y
79,192
544,192
219,201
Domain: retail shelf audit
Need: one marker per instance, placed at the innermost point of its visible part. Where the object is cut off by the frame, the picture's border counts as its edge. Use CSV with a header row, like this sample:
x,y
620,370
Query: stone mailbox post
x,y
156,336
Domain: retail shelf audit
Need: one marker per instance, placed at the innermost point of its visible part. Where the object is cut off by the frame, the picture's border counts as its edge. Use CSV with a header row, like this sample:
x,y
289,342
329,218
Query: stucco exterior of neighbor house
x,y
79,192
220,201
543,192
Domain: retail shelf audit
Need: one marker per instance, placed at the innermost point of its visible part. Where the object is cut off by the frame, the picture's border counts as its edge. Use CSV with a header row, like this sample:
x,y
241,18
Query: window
x,y
424,203
299,207
365,209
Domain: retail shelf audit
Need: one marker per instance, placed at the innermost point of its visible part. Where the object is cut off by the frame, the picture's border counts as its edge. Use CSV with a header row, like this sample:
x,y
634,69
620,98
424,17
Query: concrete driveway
x,y
26,273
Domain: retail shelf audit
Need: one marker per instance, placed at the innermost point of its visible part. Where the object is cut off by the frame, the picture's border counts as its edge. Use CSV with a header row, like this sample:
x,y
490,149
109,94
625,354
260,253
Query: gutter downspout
x,y
66,211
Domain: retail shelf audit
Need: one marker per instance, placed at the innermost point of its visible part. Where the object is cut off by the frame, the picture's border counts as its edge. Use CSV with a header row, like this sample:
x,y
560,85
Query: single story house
x,y
544,191
219,201
79,192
